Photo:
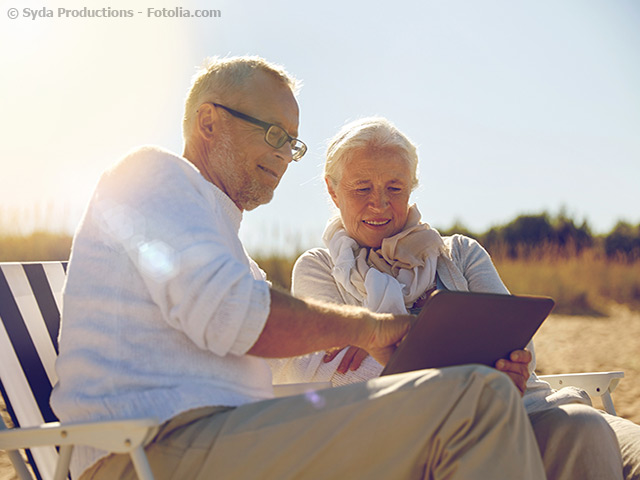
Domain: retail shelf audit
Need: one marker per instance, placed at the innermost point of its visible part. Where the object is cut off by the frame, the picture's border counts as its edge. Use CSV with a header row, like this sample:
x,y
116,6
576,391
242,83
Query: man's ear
x,y
207,121
332,192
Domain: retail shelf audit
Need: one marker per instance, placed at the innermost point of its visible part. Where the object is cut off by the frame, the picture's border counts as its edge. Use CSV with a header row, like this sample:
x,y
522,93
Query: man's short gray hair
x,y
219,78
373,134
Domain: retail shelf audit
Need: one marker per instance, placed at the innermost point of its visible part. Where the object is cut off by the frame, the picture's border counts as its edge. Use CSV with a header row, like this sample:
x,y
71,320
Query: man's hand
x,y
384,334
517,367
352,359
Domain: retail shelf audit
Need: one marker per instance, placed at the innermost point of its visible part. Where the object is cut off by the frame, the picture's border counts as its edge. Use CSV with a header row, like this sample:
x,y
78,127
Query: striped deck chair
x,y
30,301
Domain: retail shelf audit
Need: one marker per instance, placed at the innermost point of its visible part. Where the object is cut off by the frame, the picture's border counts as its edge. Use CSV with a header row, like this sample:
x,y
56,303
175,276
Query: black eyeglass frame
x,y
298,147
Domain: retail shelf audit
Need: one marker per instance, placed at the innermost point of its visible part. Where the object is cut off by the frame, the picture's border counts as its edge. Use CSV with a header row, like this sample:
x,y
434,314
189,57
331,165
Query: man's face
x,y
247,167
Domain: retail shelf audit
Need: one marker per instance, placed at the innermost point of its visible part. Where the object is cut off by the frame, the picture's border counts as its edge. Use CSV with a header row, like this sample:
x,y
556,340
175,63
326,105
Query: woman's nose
x,y
379,200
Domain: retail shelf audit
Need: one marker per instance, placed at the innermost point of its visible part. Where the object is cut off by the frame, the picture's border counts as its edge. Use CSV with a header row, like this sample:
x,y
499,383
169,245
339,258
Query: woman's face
x,y
373,195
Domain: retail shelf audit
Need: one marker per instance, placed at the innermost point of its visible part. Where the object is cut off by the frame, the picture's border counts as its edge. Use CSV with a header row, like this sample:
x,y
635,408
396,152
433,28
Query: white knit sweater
x,y
469,269
161,302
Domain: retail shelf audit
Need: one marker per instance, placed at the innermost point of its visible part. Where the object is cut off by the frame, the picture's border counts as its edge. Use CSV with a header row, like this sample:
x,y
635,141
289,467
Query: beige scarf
x,y
392,277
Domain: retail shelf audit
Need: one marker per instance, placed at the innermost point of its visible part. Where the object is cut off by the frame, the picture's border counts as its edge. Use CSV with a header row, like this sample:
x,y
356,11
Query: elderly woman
x,y
379,254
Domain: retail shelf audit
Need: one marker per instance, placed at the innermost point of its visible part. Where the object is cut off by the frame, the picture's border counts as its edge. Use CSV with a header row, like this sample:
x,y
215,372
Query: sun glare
x,y
76,95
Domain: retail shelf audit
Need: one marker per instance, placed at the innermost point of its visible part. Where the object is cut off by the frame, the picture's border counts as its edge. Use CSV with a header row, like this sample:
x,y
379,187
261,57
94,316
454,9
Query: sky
x,y
517,107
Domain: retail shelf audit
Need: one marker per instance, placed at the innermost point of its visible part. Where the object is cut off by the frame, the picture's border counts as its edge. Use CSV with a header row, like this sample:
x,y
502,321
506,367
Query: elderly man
x,y
165,315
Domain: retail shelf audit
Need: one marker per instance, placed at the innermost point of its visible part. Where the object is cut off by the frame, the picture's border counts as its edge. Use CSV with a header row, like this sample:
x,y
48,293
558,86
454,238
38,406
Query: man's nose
x,y
285,153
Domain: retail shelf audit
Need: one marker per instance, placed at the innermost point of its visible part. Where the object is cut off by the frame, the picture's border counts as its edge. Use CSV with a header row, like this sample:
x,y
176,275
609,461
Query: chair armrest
x,y
595,384
288,389
118,436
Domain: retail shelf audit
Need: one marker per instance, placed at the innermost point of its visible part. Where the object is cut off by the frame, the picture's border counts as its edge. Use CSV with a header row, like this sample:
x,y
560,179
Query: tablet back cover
x,y
457,328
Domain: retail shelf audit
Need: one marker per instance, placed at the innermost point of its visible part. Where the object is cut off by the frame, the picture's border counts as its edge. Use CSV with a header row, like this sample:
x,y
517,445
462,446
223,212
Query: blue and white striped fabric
x,y
30,305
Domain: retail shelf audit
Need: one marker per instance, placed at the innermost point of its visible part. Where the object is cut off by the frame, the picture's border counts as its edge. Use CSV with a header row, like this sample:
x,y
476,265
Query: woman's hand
x,y
517,367
352,359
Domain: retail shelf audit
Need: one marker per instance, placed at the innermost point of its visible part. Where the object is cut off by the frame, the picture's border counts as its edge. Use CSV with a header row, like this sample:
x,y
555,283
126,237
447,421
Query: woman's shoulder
x,y
460,243
464,250
311,276
314,258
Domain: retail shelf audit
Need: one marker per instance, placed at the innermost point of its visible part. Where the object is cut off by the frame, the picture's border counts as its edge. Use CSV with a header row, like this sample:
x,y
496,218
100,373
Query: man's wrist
x,y
368,328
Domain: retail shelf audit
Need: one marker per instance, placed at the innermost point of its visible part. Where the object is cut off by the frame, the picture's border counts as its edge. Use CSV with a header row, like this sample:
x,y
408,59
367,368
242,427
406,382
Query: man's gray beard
x,y
248,191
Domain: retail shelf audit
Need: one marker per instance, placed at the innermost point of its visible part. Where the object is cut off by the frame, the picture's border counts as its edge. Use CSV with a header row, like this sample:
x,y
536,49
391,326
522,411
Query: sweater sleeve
x,y
182,244
476,265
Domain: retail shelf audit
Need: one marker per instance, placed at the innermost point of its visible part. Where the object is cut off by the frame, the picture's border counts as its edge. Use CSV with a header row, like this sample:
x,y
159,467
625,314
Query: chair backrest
x,y
30,306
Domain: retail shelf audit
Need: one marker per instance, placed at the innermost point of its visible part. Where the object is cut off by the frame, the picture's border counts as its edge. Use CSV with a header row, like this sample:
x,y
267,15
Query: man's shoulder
x,y
149,168
149,157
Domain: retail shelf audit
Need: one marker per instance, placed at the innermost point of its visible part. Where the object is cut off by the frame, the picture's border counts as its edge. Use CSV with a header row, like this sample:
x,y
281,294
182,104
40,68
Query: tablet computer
x,y
457,328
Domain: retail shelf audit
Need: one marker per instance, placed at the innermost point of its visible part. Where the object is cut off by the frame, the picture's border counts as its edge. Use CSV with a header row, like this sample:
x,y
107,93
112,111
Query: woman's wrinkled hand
x,y
517,367
352,359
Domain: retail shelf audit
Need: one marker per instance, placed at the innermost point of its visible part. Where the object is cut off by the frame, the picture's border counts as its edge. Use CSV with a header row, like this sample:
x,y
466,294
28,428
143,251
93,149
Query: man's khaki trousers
x,y
456,423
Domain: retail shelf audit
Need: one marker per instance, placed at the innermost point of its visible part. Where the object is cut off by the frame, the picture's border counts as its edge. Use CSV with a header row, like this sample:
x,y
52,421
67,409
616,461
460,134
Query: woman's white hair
x,y
372,134
220,78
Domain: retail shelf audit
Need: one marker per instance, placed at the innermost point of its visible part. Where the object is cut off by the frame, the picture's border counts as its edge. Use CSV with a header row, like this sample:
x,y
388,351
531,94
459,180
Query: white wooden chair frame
x,y
596,384
126,436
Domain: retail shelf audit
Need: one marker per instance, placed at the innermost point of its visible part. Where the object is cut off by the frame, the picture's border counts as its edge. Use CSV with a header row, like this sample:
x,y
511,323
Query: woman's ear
x,y
332,192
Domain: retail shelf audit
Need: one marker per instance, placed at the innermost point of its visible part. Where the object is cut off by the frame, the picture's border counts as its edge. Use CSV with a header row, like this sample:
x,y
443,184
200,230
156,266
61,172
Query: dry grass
x,y
278,268
585,283
38,246
582,284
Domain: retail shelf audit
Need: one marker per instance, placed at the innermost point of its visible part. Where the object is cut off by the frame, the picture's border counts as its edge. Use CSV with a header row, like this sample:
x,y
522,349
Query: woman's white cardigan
x,y
470,269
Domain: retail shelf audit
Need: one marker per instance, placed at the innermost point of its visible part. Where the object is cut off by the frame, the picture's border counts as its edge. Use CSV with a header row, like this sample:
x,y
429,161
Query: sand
x,y
565,344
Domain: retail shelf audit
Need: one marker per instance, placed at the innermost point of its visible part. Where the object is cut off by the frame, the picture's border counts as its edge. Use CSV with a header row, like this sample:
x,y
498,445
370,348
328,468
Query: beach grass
x,y
585,282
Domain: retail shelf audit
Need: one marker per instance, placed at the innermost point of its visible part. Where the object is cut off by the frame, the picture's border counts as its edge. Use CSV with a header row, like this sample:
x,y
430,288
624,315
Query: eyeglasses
x,y
274,135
